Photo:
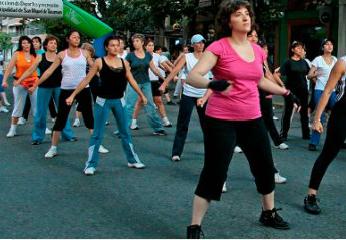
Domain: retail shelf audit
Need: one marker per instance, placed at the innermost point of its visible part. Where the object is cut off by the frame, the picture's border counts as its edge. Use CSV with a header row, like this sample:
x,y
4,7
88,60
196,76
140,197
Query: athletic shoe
x,y
11,133
160,133
76,123
238,149
311,204
48,131
7,104
137,165
279,179
3,109
107,123
21,121
102,149
134,126
271,218
73,139
89,171
167,125
282,146
175,158
275,118
52,152
194,232
171,103
35,142
224,187
312,147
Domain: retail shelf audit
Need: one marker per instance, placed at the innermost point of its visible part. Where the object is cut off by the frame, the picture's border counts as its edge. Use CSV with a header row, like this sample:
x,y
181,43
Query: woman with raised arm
x,y
233,113
73,61
22,59
336,131
47,90
114,74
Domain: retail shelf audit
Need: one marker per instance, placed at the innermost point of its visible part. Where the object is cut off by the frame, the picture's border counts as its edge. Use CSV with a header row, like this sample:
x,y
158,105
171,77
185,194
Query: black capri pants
x,y
220,139
84,101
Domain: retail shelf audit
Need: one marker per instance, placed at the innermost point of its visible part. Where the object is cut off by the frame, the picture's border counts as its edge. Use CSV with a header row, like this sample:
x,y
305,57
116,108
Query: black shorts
x,y
155,88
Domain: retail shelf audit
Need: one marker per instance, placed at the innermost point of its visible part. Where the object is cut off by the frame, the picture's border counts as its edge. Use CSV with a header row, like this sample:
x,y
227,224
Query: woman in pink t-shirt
x,y
233,113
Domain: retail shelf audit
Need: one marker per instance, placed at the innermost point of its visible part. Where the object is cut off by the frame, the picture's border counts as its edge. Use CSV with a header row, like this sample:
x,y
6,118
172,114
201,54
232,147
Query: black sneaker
x,y
73,139
194,232
311,204
306,137
171,103
35,142
312,147
271,218
160,133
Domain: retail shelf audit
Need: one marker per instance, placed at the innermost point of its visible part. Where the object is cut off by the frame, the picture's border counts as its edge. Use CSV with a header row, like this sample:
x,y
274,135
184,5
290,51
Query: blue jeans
x,y
43,98
101,112
131,99
315,136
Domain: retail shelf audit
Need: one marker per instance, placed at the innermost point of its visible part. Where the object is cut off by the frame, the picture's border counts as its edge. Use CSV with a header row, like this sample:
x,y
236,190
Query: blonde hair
x,y
89,47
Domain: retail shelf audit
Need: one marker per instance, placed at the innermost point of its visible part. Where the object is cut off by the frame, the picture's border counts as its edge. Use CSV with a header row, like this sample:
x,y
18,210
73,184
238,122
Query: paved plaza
x,y
43,198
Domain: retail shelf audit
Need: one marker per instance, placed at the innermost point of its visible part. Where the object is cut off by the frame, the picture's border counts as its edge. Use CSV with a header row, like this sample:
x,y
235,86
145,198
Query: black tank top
x,y
55,79
113,81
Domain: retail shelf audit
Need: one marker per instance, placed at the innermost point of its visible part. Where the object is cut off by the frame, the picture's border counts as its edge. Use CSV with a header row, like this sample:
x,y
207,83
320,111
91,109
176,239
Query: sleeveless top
x,y
189,90
55,79
341,86
22,64
113,81
73,70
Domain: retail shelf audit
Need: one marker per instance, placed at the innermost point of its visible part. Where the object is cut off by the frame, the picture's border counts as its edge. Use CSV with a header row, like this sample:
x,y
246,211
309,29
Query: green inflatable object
x,y
84,22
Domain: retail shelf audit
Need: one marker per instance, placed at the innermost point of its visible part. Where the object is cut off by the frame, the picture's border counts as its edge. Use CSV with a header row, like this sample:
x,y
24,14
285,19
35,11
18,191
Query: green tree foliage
x,y
5,41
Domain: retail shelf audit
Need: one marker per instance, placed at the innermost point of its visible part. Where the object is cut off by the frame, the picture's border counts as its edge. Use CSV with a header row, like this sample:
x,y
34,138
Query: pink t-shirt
x,y
241,103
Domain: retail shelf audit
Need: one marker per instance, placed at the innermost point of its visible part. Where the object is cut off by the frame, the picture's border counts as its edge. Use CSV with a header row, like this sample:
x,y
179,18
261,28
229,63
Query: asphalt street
x,y
42,198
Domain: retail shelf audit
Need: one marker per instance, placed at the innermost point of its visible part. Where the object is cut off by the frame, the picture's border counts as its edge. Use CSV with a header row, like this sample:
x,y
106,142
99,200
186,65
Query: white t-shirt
x,y
123,56
324,70
189,90
156,60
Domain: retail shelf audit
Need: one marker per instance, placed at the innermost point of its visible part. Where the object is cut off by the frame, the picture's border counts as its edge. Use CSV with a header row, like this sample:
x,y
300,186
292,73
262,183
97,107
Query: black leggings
x,y
336,135
219,141
84,101
303,96
267,114
27,106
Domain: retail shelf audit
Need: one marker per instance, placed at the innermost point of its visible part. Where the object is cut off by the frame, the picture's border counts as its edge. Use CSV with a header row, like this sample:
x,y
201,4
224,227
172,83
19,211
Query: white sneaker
x,y
3,109
275,117
89,171
238,149
175,158
76,123
21,121
134,126
102,149
279,179
48,131
282,146
52,152
224,187
137,165
167,124
11,133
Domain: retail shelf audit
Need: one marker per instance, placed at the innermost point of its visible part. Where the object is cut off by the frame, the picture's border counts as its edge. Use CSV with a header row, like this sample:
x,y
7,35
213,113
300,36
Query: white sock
x,y
13,127
134,121
53,147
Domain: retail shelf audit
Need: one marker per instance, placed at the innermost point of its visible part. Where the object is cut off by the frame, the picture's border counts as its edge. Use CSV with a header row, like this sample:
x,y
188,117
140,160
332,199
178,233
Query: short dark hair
x,y
110,38
37,38
227,7
48,39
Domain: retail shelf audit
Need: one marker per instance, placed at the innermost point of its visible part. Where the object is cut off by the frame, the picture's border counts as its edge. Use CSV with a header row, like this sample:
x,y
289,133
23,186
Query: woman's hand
x,y
4,84
69,100
144,100
317,126
32,89
162,88
201,101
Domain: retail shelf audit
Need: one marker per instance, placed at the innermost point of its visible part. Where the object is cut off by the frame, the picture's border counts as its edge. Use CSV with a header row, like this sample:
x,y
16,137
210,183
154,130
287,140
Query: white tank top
x,y
190,91
73,71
